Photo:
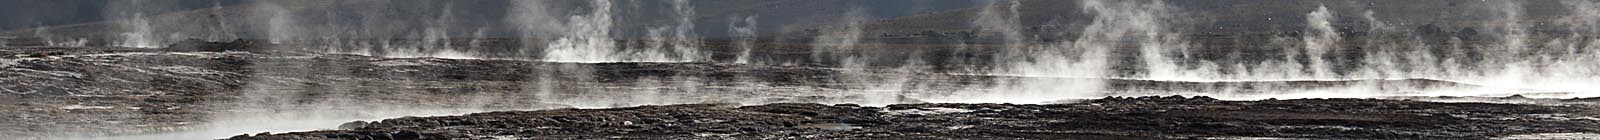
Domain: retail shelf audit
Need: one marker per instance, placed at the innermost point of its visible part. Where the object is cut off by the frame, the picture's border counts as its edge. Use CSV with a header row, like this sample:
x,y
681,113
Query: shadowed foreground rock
x,y
52,92
1109,118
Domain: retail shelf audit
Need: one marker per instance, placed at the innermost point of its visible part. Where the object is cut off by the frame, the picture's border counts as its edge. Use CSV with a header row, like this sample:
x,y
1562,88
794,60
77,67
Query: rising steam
x,y
744,37
1127,40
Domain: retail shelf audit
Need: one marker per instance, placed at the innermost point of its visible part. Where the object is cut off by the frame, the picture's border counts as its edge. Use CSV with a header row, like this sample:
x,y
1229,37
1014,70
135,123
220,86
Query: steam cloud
x,y
1506,56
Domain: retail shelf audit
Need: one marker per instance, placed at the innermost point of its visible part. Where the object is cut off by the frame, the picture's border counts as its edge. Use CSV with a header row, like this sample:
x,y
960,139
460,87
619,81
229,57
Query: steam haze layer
x,y
365,69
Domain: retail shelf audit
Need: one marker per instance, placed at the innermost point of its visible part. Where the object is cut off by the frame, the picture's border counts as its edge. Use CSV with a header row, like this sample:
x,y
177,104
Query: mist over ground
x,y
208,69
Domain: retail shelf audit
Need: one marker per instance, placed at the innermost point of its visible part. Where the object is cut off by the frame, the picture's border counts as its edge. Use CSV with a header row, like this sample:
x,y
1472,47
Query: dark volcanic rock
x,y
51,92
235,45
1173,117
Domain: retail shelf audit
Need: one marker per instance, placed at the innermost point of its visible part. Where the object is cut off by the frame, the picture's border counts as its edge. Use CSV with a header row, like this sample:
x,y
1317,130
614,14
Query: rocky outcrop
x,y
208,46
88,91
1173,117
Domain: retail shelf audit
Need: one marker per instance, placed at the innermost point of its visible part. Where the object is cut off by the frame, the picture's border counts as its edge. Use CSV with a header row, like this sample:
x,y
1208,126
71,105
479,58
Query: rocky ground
x,y
132,91
1149,117
49,92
